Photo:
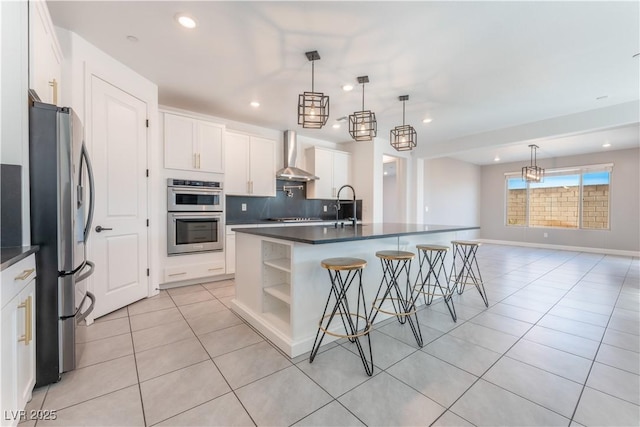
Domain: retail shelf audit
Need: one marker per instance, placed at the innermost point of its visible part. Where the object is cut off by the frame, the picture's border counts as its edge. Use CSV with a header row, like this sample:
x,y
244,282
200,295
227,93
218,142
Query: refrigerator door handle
x,y
87,273
81,316
85,158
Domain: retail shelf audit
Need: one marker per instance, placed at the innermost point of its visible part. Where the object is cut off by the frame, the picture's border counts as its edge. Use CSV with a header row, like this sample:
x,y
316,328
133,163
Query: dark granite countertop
x,y
12,255
318,234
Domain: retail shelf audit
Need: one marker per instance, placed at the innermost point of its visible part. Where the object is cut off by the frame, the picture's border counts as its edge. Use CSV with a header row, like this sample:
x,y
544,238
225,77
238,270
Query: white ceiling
x,y
473,67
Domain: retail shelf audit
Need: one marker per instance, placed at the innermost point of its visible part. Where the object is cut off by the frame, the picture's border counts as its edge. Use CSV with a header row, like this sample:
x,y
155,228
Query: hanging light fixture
x,y
403,138
313,107
533,173
362,124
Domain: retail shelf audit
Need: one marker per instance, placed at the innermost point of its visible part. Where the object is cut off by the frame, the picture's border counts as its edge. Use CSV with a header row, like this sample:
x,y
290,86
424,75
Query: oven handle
x,y
198,191
195,214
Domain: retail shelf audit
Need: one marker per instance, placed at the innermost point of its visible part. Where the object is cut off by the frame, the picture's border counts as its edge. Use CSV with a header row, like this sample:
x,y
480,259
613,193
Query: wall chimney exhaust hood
x,y
290,172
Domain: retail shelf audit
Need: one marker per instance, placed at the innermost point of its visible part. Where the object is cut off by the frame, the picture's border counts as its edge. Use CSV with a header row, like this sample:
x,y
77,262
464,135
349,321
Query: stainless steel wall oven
x,y
195,217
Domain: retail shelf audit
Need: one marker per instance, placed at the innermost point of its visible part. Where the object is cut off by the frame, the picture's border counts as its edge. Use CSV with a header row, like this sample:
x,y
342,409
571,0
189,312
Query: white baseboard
x,y
635,254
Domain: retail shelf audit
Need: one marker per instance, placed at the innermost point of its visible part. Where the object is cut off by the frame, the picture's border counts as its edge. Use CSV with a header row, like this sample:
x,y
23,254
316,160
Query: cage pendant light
x,y
362,124
533,173
313,107
403,138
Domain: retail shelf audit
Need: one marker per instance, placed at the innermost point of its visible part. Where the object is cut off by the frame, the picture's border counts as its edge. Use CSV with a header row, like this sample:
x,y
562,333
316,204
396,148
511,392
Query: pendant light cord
x,y
403,102
312,74
363,97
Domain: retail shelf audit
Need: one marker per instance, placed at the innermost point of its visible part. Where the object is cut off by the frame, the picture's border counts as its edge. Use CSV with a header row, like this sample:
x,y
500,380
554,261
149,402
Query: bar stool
x,y
394,263
433,256
464,255
339,288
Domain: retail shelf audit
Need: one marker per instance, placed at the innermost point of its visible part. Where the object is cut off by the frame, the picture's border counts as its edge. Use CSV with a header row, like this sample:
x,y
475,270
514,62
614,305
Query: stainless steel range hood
x,y
290,172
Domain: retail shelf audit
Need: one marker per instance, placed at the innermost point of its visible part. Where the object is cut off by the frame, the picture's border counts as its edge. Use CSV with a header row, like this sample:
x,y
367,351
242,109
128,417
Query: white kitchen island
x,y
281,289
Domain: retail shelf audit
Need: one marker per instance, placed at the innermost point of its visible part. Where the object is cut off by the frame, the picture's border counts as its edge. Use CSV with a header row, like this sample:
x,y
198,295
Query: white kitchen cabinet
x,y
332,167
18,337
45,55
250,165
192,144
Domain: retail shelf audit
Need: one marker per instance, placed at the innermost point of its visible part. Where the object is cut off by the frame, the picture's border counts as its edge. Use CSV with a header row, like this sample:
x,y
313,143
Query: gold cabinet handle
x,y
195,161
198,160
24,274
217,268
28,332
177,274
54,85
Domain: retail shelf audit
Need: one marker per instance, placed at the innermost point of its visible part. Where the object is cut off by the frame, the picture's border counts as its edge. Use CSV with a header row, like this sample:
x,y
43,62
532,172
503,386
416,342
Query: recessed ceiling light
x,y
600,98
636,55
255,104
496,159
186,21
336,126
347,87
132,39
427,120
606,145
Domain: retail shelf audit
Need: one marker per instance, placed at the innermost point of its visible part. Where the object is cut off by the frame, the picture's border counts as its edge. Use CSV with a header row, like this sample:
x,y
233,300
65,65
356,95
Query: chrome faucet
x,y
354,220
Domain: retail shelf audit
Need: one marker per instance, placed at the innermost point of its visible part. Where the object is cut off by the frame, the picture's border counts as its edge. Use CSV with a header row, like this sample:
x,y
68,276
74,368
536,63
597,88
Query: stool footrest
x,y
393,313
418,289
365,331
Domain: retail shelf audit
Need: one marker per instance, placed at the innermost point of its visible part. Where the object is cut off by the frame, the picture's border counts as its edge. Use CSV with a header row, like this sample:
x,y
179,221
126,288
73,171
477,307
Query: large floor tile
x,y
161,335
222,411
619,358
581,329
622,340
580,315
178,391
449,419
192,297
93,352
170,357
501,323
629,326
190,311
119,408
118,314
464,312
489,338
181,290
586,306
463,354
562,341
218,284
213,321
251,363
159,302
570,366
436,379
525,302
488,405
405,334
155,318
100,330
331,415
616,382
230,339
336,370
87,383
600,409
386,350
282,398
222,292
534,384
518,313
386,401
437,319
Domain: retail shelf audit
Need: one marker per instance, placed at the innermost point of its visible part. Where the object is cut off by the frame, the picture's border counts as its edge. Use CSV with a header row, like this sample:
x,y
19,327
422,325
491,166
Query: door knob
x,y
100,228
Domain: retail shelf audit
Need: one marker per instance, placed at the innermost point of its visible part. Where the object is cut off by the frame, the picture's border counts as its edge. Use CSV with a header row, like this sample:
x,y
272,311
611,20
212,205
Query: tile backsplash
x,y
10,205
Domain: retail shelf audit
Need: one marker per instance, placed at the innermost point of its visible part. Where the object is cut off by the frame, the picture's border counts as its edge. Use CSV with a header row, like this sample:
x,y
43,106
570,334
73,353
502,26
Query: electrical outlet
x,y
244,207
324,208
546,235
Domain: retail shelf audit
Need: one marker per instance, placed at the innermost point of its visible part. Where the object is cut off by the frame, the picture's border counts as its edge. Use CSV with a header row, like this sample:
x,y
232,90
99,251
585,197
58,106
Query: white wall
x,y
451,192
390,211
624,234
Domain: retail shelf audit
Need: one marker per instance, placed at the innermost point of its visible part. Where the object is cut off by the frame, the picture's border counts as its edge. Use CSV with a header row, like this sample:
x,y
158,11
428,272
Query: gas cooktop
x,y
295,219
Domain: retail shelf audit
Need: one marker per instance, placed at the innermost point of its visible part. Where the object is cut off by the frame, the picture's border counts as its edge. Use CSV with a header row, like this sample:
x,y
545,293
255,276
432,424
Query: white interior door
x,y
119,157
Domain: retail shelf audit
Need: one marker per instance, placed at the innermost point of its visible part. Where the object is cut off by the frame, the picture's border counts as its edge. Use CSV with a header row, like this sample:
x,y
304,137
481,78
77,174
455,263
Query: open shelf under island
x,y
281,289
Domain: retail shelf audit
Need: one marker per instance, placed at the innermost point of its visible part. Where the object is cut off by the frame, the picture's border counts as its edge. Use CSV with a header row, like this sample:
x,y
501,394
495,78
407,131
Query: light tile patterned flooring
x,y
559,345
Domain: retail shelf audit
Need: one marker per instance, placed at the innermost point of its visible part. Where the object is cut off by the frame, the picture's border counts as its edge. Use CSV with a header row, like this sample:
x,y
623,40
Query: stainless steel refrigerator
x,y
62,200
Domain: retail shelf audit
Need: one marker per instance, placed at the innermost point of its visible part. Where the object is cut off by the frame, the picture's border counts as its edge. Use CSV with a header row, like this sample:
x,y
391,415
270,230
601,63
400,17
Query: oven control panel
x,y
172,182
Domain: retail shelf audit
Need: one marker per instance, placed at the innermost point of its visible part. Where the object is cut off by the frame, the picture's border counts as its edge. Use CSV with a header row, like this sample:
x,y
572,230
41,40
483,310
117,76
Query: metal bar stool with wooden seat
x,y
429,276
356,324
394,263
464,269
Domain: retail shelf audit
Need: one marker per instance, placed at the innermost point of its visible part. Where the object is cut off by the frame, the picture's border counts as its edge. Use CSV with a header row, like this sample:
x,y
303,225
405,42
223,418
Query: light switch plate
x,y
244,207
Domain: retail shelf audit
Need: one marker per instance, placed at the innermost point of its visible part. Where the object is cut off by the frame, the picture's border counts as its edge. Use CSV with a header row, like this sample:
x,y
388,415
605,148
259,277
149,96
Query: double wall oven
x,y
195,216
